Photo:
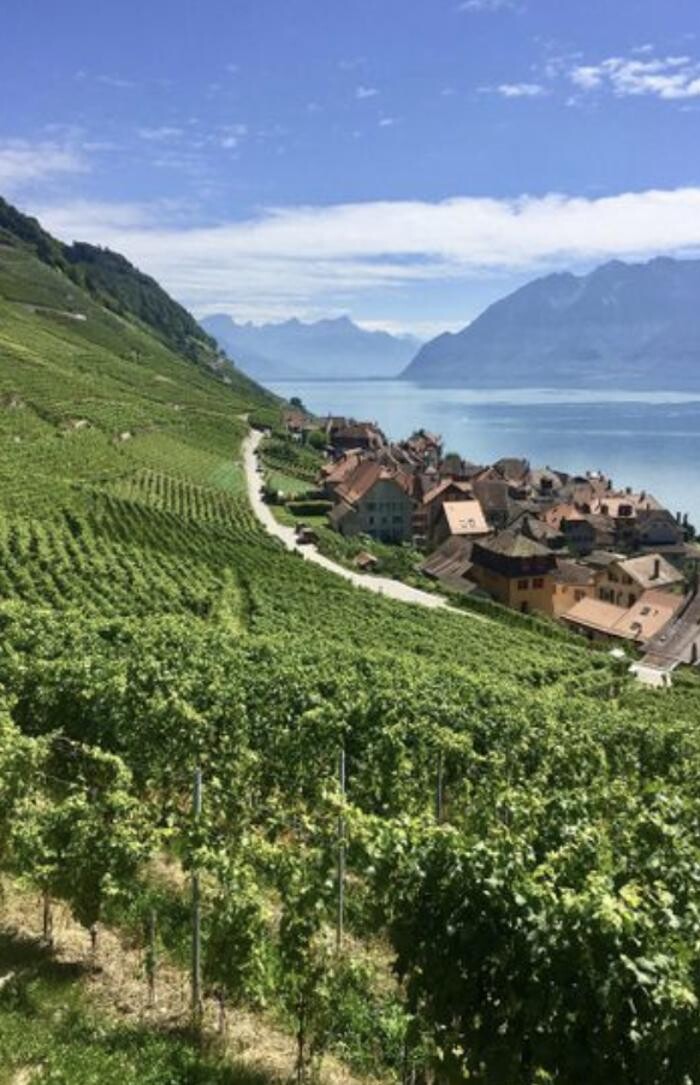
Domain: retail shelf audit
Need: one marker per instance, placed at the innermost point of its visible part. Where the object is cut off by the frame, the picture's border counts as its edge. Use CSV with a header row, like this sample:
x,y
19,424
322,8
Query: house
x,y
571,582
429,503
514,570
453,466
546,483
492,494
451,563
374,501
539,530
624,581
586,532
333,474
425,446
353,435
296,422
601,559
464,517
657,527
638,624
558,514
622,510
513,471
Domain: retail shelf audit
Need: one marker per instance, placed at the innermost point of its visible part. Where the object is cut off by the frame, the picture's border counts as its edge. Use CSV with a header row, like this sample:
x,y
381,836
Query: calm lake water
x,y
648,440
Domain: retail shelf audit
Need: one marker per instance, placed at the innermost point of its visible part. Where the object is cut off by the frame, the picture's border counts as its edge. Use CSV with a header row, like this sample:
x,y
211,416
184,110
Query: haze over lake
x,y
648,440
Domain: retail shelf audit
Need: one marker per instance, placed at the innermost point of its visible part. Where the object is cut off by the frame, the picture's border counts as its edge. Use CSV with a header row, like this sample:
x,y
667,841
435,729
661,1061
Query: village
x,y
613,565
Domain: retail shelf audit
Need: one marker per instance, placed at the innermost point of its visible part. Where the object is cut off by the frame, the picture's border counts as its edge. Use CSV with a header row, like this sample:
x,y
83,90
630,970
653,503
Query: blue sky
x,y
403,162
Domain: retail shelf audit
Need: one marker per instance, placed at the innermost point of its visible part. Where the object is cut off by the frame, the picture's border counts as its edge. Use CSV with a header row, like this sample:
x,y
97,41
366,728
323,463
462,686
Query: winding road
x,y
391,589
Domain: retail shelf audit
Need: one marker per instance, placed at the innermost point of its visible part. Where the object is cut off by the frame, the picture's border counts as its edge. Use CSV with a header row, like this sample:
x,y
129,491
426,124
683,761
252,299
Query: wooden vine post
x,y
341,856
196,913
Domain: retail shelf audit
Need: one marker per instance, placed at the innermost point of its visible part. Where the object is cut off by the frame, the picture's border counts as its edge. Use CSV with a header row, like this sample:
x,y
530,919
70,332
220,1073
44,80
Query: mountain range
x,y
324,349
622,325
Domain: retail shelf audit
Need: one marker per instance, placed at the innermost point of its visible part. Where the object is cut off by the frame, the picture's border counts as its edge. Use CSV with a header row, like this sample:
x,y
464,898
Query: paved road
x,y
392,589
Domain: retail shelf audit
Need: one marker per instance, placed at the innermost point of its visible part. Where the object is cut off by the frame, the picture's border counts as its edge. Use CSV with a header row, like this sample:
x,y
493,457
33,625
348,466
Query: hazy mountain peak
x,y
632,325
333,347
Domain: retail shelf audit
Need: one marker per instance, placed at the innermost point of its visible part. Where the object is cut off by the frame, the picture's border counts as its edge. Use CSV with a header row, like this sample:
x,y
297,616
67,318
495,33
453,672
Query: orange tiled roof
x,y
638,623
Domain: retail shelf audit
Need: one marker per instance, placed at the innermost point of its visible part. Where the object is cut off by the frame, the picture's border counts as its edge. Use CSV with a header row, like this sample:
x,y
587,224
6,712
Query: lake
x,y
648,440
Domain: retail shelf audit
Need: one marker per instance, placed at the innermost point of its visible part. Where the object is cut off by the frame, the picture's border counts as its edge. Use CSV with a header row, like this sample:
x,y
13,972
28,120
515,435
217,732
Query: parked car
x,y
305,535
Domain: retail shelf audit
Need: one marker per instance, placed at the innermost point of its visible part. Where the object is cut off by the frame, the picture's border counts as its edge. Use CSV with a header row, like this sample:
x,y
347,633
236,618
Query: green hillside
x,y
519,840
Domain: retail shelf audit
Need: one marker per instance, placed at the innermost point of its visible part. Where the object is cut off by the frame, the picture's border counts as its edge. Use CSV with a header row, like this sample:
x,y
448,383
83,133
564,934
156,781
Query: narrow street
x,y
391,589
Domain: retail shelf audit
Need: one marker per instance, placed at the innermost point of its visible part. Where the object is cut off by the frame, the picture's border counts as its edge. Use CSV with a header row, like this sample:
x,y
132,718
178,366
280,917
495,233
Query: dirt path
x,y
392,589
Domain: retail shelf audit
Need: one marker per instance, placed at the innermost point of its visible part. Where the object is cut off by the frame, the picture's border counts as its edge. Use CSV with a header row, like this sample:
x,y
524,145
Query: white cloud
x,y
162,134
670,78
22,162
421,329
387,122
477,6
365,92
520,90
289,259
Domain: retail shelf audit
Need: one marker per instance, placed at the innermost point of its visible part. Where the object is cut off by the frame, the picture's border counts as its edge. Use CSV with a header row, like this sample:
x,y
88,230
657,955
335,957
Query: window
x,y
523,585
371,519
579,595
397,519
538,582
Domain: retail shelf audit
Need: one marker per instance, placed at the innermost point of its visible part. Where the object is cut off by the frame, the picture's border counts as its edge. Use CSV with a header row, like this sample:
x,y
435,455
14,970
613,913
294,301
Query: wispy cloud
x,y
488,6
22,162
365,92
387,122
160,135
670,78
112,81
231,135
295,257
520,90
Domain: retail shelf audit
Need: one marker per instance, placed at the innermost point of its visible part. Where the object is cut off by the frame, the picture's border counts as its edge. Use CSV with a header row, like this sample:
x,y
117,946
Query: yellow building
x,y
515,571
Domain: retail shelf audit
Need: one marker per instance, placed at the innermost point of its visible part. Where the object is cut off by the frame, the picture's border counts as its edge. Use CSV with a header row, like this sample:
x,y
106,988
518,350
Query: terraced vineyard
x,y
517,842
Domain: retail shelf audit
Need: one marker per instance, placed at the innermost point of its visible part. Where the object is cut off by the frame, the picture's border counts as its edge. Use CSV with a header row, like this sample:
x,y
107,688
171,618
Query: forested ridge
x,y
503,883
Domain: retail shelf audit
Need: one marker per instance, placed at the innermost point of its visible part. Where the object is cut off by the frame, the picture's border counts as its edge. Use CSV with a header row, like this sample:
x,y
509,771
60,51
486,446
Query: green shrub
x,y
309,508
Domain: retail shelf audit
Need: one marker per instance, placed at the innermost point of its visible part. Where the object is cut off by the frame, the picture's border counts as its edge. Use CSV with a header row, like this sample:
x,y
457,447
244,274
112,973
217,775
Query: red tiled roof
x,y
366,475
